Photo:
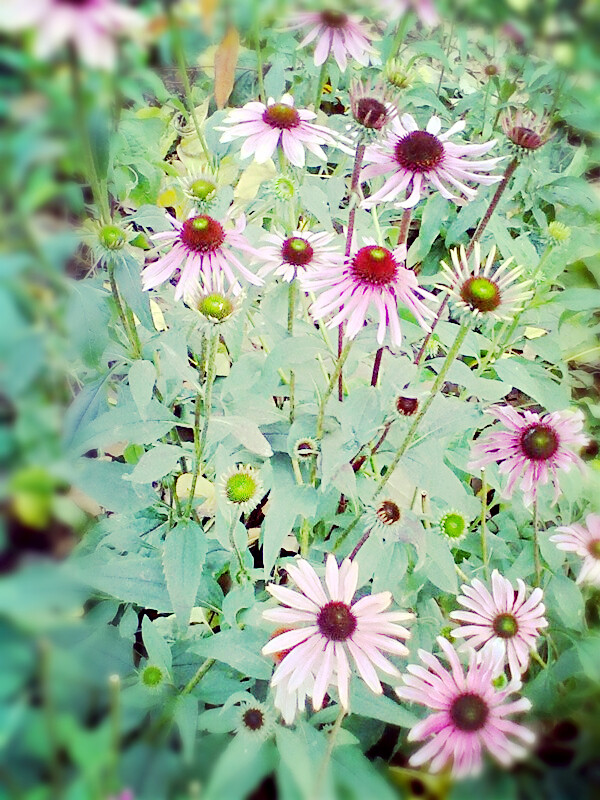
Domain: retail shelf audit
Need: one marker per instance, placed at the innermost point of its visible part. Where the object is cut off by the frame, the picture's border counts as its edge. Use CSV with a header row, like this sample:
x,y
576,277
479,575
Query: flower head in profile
x,y
469,712
503,616
485,291
373,275
202,249
326,628
264,128
419,160
371,110
532,448
91,26
527,131
302,251
241,487
338,33
200,188
584,541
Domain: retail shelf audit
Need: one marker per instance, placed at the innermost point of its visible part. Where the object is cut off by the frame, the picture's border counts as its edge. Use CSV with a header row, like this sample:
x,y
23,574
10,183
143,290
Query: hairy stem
x,y
290,328
329,391
484,553
201,672
536,544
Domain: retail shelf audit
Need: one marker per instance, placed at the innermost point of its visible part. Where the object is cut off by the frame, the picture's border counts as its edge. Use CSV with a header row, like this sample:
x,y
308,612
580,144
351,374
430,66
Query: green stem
x,y
304,538
115,725
536,544
242,570
50,721
318,792
202,670
179,51
290,328
400,34
484,553
346,532
329,391
320,85
259,60
128,325
200,438
437,385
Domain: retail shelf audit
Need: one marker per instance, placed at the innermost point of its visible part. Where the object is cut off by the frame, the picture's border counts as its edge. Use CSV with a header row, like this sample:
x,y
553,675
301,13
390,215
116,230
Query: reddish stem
x,y
476,236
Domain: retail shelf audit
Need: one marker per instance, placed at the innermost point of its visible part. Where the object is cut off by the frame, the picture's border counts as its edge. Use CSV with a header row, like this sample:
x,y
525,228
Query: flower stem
x,y
476,236
360,543
320,85
329,391
179,52
318,792
115,723
201,672
127,322
242,570
437,385
536,544
259,60
484,553
200,438
290,328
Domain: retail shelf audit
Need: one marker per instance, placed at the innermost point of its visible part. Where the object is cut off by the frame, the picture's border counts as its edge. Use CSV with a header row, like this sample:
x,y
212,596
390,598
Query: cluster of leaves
x,y
125,664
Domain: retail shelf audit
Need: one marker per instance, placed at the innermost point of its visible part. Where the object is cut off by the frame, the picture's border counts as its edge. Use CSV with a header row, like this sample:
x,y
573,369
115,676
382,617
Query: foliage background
x,y
85,595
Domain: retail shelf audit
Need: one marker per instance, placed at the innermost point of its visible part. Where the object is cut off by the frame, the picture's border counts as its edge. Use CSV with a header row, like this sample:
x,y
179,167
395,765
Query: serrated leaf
x,y
238,648
132,579
226,57
142,377
184,553
156,463
124,424
129,281
245,431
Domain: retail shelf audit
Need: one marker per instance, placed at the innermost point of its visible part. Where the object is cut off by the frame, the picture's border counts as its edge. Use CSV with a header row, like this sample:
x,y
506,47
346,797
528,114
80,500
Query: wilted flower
x,y
504,616
371,109
343,34
533,448
526,130
303,250
265,127
305,448
241,487
89,25
419,159
202,250
584,542
469,712
327,628
373,275
384,517
485,291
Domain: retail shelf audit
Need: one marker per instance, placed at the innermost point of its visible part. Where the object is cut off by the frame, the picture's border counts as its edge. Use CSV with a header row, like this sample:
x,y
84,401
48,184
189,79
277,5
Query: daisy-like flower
x,y
470,714
328,627
301,251
202,250
526,130
256,720
266,127
485,291
371,110
290,701
418,159
241,487
373,275
338,33
90,25
424,9
533,448
584,542
453,526
504,615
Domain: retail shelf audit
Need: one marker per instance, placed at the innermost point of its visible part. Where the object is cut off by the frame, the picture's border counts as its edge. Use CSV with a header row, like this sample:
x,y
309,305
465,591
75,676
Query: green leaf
x,y
105,482
375,706
186,719
238,648
293,749
87,405
245,431
535,381
439,566
129,281
159,652
156,463
132,579
184,553
87,321
142,377
563,598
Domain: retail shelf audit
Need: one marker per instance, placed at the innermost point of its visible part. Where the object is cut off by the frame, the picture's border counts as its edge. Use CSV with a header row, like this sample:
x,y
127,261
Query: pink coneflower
x,y
485,291
343,34
584,542
371,110
373,275
328,627
419,158
504,616
470,714
90,25
201,250
265,127
526,130
424,9
303,250
532,449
